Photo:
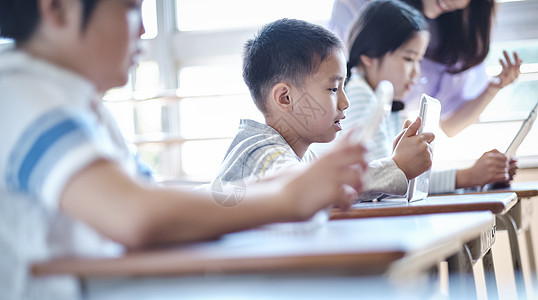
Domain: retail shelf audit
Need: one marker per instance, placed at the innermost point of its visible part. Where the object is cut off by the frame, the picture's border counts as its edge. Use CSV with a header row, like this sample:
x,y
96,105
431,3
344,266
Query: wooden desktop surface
x,y
497,203
523,189
364,247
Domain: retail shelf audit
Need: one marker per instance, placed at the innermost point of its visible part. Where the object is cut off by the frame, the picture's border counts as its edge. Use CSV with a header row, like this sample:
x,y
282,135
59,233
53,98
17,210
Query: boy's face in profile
x,y
321,101
107,47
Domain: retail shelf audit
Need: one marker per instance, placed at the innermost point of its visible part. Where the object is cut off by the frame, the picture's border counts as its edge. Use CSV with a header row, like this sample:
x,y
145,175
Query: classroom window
x,y
516,29
149,18
183,102
219,15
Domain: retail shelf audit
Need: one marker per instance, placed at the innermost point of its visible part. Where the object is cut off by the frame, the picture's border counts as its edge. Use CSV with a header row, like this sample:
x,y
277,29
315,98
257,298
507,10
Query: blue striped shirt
x,y
52,128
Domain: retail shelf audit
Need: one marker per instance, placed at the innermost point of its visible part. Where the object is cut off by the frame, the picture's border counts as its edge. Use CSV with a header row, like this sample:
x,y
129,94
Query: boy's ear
x,y
54,11
280,96
366,60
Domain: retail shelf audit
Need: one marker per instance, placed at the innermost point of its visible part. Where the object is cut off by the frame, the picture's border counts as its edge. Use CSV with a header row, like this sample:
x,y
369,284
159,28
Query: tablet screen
x,y
522,133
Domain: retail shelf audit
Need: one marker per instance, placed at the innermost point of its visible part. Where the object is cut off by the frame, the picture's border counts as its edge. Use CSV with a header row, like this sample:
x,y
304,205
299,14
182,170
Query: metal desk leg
x,y
480,248
510,225
522,214
532,260
461,277
489,274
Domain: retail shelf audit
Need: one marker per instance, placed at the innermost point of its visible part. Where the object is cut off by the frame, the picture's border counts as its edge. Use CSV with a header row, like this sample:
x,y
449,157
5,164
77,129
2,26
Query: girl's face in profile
x,y
434,8
401,67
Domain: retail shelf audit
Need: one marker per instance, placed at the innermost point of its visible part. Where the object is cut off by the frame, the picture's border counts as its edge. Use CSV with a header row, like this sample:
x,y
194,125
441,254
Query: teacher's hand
x,y
510,70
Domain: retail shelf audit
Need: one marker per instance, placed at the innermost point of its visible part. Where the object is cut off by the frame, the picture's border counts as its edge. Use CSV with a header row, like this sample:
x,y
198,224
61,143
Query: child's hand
x,y
406,124
334,180
512,168
412,153
491,167
510,71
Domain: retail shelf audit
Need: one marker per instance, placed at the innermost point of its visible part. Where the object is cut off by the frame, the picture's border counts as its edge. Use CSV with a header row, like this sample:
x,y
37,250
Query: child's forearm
x,y
136,216
464,179
469,112
185,216
103,196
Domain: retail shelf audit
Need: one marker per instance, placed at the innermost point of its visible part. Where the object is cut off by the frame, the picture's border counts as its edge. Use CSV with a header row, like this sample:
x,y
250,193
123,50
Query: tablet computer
x,y
430,113
522,133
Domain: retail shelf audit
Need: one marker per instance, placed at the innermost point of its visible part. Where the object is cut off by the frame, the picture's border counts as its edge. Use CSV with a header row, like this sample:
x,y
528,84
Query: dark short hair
x,y
463,35
382,27
19,18
286,49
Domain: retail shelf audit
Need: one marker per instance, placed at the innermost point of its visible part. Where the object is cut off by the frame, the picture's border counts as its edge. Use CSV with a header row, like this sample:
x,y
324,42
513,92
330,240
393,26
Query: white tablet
x,y
430,113
522,133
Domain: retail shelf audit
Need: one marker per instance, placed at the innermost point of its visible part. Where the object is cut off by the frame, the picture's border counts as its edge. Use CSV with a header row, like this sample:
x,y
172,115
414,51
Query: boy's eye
x,y
408,59
334,90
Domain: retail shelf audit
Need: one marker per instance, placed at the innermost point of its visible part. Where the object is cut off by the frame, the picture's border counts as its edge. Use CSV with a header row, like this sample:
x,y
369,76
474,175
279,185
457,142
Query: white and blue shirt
x,y
52,128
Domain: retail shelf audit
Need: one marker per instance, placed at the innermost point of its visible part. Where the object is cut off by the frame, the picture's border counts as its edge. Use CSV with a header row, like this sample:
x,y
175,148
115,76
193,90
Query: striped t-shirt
x,y
52,128
362,104
256,151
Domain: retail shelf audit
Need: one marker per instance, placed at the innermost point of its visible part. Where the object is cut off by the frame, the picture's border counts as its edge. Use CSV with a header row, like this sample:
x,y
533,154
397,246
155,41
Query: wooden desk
x,y
518,219
523,189
498,203
391,247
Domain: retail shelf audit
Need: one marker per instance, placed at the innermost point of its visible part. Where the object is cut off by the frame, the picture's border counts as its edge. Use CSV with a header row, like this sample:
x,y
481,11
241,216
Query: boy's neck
x,y
42,49
294,140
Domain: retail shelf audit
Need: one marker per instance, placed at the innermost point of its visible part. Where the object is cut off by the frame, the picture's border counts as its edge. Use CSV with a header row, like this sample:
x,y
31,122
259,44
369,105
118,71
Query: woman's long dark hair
x,y
382,27
463,35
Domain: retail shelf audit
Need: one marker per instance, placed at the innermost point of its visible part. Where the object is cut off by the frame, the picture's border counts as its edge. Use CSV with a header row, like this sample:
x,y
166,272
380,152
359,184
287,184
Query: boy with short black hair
x,y
295,72
68,184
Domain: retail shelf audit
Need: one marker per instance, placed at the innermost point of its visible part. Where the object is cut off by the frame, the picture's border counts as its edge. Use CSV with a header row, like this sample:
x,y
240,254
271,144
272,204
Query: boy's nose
x,y
141,29
343,101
